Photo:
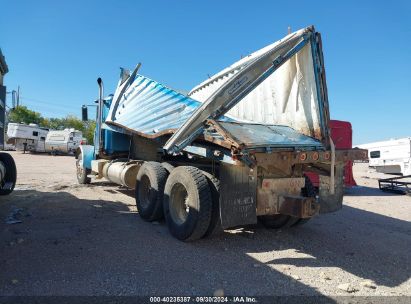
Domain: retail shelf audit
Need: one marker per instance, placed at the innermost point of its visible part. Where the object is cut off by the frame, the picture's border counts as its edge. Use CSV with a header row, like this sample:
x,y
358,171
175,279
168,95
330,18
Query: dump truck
x,y
232,152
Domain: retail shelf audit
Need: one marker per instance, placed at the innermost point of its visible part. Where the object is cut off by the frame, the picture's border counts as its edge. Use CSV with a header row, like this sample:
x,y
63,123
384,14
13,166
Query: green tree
x,y
88,133
22,114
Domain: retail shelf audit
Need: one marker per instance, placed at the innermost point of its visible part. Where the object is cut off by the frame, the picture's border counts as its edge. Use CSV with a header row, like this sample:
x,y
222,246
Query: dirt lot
x,y
89,240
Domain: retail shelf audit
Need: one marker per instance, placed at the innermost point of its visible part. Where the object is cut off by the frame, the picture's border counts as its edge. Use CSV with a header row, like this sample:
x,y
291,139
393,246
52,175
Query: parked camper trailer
x,y
64,141
391,156
27,137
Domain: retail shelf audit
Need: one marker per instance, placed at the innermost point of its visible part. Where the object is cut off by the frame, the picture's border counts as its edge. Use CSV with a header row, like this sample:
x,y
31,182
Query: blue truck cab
x,y
110,142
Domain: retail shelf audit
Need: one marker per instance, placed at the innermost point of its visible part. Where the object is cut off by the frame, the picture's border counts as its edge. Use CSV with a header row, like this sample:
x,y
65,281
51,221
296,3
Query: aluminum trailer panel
x,y
294,95
250,77
151,109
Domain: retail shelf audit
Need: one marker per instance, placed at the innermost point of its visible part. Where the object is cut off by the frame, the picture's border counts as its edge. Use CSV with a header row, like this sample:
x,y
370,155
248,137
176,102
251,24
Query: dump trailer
x,y
230,153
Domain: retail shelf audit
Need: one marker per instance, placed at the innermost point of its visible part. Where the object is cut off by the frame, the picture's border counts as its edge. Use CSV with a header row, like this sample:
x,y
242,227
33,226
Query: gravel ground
x,y
88,240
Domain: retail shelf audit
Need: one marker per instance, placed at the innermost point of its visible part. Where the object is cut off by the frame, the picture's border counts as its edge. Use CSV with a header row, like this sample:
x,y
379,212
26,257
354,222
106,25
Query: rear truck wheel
x,y
187,203
149,191
168,167
215,223
81,172
10,175
278,221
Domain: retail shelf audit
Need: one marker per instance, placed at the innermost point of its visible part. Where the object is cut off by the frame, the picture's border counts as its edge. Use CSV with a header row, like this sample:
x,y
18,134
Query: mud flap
x,y
238,195
332,202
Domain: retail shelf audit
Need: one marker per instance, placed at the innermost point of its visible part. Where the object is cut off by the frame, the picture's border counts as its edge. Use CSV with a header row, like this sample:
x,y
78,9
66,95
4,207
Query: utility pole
x,y
13,99
18,96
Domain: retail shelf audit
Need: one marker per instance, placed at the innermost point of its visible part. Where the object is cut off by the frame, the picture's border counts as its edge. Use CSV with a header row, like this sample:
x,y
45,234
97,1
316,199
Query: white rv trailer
x,y
391,156
65,141
27,137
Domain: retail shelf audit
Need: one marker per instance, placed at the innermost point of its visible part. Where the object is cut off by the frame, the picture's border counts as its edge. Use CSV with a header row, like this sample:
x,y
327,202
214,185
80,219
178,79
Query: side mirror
x,y
84,113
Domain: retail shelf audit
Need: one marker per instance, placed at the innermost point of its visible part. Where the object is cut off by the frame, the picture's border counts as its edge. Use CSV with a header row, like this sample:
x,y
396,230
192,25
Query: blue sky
x,y
56,50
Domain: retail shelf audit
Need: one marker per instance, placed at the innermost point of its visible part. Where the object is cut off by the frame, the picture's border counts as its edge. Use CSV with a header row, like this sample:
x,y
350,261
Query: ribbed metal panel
x,y
151,108
283,110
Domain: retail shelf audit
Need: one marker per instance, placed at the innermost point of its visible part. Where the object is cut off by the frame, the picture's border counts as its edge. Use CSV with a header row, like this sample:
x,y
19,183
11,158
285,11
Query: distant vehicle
x,y
391,156
8,171
27,137
8,147
341,134
64,142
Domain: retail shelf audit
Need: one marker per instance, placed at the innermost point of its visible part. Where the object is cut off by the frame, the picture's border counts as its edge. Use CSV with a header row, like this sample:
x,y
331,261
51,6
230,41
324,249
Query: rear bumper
x,y
307,158
274,185
297,206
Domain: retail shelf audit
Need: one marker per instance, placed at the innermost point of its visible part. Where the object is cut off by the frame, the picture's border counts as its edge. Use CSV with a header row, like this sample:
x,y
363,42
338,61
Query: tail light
x,y
303,156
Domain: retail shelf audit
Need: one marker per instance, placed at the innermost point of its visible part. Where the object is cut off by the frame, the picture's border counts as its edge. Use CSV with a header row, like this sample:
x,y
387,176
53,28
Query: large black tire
x,y
168,167
82,173
149,192
11,173
187,203
279,221
215,223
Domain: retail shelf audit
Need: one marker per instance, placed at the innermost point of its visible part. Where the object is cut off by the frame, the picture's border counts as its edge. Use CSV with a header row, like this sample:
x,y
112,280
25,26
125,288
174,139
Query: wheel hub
x,y
179,203
145,191
79,167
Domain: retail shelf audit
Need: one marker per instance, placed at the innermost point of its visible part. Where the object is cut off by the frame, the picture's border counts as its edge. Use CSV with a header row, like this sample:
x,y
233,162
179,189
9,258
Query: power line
x,y
47,103
37,100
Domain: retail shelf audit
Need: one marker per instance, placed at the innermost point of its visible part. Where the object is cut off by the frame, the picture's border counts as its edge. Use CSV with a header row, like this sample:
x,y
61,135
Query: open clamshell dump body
x,y
231,152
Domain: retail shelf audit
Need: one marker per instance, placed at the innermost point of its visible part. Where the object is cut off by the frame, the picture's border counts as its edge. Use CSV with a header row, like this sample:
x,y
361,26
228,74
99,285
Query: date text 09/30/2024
x,y
187,299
